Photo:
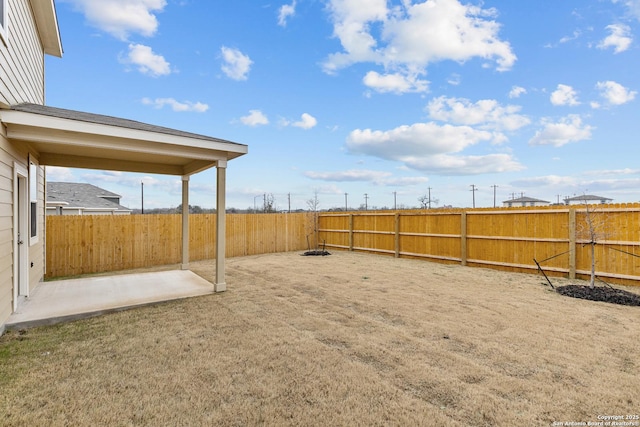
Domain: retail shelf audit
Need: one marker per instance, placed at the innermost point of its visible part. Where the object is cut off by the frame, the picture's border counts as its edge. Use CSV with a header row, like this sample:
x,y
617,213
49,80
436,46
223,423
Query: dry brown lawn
x,y
347,339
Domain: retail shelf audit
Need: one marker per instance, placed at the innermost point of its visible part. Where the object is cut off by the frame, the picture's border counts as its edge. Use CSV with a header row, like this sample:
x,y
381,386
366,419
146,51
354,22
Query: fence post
x,y
463,238
351,232
397,235
572,243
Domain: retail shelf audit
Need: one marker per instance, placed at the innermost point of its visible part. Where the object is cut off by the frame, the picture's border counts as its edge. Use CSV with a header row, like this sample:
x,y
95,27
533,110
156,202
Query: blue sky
x,y
391,99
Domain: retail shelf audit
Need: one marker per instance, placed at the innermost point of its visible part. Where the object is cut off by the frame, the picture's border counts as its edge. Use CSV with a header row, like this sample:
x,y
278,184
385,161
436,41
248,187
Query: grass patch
x,y
306,341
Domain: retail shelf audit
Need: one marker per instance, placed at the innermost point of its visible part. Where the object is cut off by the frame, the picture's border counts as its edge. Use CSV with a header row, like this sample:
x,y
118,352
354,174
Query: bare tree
x,y
426,201
314,205
269,203
590,231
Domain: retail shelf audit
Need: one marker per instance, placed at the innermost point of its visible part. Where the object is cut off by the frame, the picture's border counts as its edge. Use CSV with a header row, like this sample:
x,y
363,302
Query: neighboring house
x,y
587,199
524,201
33,136
72,198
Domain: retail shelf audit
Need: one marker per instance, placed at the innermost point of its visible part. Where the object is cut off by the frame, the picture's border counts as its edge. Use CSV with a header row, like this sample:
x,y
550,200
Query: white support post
x,y
185,223
221,184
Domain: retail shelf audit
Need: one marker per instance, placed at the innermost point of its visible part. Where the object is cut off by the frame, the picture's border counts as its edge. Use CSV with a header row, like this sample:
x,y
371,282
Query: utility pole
x,y
494,194
346,204
473,191
142,195
264,203
429,201
289,198
366,199
395,193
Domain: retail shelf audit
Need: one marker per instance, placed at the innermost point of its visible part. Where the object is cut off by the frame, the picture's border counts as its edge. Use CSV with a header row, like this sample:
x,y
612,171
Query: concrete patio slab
x,y
72,299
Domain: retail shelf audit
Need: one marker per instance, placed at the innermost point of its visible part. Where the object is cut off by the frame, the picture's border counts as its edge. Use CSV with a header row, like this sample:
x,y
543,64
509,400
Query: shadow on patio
x,y
71,299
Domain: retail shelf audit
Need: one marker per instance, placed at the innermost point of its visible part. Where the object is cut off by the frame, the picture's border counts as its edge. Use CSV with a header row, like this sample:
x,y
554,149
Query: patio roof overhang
x,y
84,140
76,139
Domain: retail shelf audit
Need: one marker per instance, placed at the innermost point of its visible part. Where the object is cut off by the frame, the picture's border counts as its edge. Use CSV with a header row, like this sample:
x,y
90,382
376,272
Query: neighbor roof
x,y
585,198
525,200
80,195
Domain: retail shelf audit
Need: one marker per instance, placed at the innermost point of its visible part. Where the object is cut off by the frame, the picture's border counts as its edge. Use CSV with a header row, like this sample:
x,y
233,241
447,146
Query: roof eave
x,y
46,18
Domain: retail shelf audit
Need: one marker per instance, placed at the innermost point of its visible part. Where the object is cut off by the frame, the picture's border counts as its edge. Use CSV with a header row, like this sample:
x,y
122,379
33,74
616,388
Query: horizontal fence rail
x,y
505,239
100,243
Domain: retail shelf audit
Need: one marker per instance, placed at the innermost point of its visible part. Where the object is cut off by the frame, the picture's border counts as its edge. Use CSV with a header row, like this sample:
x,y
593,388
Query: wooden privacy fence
x,y
505,239
98,243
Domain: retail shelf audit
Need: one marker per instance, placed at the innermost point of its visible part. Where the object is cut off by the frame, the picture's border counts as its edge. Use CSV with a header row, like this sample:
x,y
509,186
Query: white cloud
x,y
619,39
395,82
286,11
420,139
236,64
59,174
197,107
353,175
412,36
430,147
487,113
307,121
568,129
255,118
445,164
564,95
573,36
120,18
553,181
147,61
609,172
404,181
632,5
517,91
361,175
454,80
614,93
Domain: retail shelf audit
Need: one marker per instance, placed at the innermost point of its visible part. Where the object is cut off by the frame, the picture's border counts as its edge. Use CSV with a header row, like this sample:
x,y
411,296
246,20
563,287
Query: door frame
x,y
20,233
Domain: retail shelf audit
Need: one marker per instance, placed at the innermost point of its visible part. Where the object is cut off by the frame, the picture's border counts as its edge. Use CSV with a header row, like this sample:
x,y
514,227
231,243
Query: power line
x,y
494,194
473,191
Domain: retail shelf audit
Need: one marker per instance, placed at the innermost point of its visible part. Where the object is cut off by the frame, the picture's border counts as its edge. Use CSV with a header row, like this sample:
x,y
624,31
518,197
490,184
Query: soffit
x,y
83,140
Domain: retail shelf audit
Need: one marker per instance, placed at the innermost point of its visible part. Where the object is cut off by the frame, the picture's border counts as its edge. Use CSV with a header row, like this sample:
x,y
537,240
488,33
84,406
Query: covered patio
x,y
77,139
72,299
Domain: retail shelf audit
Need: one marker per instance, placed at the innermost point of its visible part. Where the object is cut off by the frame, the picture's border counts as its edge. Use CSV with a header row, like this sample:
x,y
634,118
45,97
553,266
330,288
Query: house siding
x,y
21,80
7,157
36,251
21,58
9,154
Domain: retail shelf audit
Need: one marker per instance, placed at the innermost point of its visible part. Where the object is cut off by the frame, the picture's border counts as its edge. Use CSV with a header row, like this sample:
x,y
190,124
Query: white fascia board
x,y
46,18
57,204
75,126
98,141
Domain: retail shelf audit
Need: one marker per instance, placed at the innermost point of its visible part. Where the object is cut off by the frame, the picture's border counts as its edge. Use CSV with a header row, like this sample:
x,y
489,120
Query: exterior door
x,y
20,235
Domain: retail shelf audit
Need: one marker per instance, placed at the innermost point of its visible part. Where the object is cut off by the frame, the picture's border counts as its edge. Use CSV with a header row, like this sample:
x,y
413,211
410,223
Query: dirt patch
x,y
601,293
350,339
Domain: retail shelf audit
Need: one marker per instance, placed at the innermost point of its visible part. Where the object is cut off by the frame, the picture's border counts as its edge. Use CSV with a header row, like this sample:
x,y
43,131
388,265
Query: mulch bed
x,y
600,293
316,253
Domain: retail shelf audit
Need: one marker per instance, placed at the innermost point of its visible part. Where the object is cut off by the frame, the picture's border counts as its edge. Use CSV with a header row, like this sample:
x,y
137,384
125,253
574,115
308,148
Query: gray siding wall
x,y
21,58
